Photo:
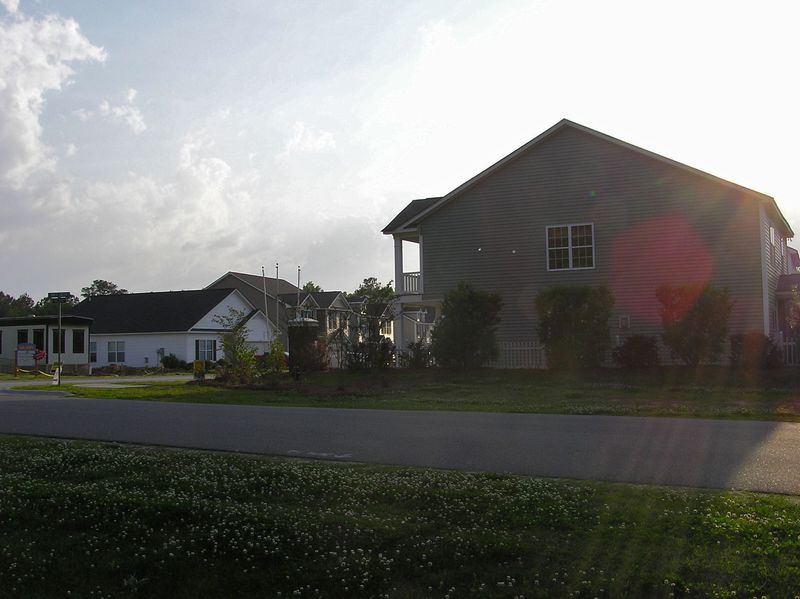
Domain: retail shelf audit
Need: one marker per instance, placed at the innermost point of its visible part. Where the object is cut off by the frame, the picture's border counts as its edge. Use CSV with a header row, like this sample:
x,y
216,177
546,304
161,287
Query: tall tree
x,y
47,306
312,287
15,306
101,287
375,291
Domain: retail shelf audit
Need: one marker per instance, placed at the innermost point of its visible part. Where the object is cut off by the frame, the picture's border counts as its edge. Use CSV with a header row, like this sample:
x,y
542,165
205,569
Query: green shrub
x,y
695,321
638,351
464,335
573,325
755,351
374,354
172,362
417,355
307,353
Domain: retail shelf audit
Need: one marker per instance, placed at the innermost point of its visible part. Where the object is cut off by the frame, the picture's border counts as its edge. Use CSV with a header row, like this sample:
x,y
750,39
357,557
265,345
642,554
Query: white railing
x,y
411,282
791,357
519,354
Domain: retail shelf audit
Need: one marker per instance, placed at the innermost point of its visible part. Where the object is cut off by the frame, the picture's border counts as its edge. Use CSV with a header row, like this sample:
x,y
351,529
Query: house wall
x,y
8,344
654,224
774,264
256,297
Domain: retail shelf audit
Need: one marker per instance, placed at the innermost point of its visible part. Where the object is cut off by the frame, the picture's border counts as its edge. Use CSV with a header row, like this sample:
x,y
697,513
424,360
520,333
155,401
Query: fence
x,y
519,354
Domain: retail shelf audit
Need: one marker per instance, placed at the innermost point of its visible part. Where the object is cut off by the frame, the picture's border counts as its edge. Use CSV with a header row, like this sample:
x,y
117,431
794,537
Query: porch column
x,y
398,266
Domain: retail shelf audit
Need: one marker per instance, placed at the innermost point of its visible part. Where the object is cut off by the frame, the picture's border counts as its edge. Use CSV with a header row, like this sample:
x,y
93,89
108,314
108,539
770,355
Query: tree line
x,y
24,305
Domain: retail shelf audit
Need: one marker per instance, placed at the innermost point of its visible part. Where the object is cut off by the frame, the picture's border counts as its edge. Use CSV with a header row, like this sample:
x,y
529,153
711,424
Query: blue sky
x,y
159,145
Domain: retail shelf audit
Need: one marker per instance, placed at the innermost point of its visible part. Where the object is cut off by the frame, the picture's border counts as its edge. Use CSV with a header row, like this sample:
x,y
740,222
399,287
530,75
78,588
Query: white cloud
x,y
35,57
12,6
306,139
71,150
128,112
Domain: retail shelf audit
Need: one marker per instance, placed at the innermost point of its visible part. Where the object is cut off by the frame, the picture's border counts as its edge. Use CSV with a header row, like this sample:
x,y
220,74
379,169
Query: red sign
x,y
40,355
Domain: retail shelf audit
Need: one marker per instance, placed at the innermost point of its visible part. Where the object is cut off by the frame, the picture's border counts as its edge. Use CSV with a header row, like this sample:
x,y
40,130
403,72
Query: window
x,y
206,350
570,247
78,341
93,351
58,341
625,322
116,351
386,328
38,339
22,336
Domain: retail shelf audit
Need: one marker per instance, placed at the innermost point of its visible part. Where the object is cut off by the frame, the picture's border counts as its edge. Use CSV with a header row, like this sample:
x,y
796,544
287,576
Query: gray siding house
x,y
577,207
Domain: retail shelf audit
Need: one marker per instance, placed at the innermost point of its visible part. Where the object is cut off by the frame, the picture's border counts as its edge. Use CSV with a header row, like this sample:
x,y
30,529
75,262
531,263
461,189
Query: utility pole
x,y
60,297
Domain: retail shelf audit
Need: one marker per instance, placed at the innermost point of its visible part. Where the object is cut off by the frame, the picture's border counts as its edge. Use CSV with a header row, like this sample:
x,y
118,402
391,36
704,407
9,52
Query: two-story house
x,y
577,207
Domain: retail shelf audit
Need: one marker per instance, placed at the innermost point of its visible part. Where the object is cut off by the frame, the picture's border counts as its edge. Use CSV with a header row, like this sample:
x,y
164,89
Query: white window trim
x,y
569,247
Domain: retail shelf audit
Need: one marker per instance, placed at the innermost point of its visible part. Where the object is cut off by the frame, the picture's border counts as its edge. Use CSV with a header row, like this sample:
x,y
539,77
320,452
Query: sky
x,y
159,145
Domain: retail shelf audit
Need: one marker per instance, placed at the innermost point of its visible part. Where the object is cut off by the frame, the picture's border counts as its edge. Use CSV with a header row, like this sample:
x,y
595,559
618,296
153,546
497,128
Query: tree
x,y
464,335
695,321
240,360
49,307
311,287
573,324
101,287
374,291
15,306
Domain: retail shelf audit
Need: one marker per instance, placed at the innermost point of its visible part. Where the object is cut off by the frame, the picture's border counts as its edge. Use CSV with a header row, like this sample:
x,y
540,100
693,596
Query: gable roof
x,y
290,299
325,299
409,212
257,282
159,312
415,216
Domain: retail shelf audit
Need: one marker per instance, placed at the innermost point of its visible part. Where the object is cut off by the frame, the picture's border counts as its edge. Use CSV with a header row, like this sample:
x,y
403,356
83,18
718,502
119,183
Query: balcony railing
x,y
412,282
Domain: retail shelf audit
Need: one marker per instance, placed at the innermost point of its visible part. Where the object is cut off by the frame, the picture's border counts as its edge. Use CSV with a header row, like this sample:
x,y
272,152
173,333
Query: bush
x,y
573,325
240,359
418,355
755,351
464,335
172,362
638,351
376,354
695,321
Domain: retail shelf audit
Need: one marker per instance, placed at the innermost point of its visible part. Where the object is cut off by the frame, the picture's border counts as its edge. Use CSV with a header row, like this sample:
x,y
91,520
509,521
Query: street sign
x,y
59,295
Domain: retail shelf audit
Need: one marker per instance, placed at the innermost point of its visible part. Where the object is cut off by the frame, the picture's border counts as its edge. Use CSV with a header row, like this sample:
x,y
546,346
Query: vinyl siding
x,y
654,224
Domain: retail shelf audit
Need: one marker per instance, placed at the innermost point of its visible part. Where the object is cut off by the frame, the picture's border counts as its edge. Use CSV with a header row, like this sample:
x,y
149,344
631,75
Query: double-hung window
x,y
116,351
570,247
93,351
206,350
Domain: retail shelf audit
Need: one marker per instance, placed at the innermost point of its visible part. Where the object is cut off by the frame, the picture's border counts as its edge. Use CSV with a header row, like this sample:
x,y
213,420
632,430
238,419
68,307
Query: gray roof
x,y
409,212
160,312
414,213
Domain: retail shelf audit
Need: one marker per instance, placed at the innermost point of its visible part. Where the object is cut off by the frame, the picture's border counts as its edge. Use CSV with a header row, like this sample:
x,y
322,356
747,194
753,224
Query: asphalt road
x,y
726,454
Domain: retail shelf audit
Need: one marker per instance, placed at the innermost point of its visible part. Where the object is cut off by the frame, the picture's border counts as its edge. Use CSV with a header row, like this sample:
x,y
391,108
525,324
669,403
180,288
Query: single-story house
x,y
139,329
40,334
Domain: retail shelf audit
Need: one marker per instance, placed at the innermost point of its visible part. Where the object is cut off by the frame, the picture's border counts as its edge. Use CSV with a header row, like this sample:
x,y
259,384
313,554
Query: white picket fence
x,y
519,354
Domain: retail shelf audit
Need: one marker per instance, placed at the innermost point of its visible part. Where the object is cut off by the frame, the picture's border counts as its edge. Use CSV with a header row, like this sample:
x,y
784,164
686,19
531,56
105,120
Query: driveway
x,y
725,454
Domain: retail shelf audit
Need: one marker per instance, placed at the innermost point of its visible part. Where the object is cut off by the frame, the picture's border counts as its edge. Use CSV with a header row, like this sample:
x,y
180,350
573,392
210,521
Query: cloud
x,y
35,58
12,6
71,150
306,139
128,112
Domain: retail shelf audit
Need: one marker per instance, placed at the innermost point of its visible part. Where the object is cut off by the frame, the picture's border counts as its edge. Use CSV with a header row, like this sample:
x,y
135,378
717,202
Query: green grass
x,y
712,392
88,520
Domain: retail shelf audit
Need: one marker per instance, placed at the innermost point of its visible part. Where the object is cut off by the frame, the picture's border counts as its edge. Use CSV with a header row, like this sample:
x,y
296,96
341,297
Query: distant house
x,y
139,329
577,207
41,333
255,288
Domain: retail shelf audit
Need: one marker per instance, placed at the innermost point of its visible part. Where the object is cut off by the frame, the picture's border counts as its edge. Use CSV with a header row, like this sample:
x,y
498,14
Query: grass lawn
x,y
710,392
89,520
